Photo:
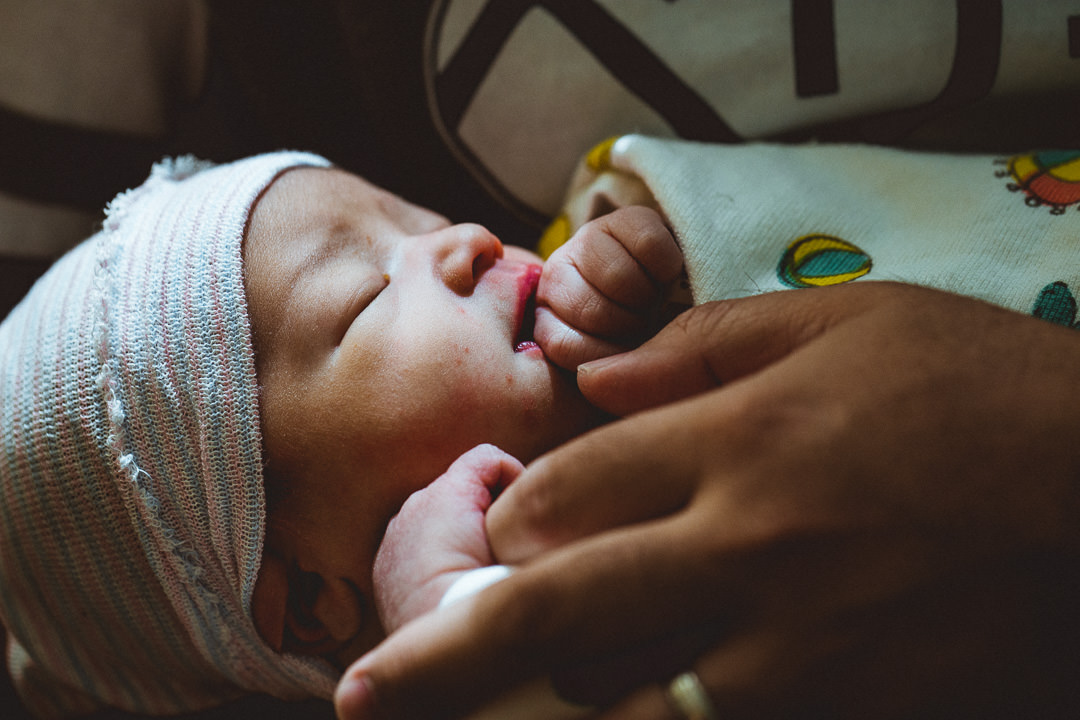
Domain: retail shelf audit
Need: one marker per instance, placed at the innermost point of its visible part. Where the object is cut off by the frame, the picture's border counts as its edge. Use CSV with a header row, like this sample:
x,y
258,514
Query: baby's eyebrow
x,y
326,244
300,289
301,253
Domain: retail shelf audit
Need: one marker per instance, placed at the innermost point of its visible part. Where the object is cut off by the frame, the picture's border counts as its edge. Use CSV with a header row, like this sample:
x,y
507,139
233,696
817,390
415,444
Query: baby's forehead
x,y
304,216
305,192
298,236
291,199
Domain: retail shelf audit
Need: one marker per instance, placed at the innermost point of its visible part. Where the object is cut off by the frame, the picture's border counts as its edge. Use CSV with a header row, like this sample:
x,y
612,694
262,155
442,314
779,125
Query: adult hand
x,y
875,515
604,290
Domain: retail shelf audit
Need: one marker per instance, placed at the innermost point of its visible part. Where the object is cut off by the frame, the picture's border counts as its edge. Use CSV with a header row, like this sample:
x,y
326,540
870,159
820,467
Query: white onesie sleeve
x,y
474,581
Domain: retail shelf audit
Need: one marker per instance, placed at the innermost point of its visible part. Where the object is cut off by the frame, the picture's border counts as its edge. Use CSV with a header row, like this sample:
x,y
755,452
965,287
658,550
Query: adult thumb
x,y
706,346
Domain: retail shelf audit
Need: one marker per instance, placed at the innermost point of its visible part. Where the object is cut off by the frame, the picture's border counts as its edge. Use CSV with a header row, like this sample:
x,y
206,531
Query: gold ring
x,y
687,695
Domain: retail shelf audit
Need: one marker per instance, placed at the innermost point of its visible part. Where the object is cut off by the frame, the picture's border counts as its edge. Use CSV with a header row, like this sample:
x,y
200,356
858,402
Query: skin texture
x,y
438,535
603,291
864,497
606,284
385,348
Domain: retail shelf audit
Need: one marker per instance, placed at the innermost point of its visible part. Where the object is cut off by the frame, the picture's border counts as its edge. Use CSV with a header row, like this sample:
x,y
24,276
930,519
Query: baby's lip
x,y
525,312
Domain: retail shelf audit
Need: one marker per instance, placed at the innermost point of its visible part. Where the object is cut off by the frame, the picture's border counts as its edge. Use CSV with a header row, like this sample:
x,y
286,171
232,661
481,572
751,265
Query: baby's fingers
x,y
533,621
484,466
567,346
438,533
594,308
612,276
467,485
639,233
602,251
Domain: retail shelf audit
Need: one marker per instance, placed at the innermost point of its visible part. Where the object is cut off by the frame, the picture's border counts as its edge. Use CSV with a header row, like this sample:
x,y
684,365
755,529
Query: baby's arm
x,y
435,552
602,292
438,536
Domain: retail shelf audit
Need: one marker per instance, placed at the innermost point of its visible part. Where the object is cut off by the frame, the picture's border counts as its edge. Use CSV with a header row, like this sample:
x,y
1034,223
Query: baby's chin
x,y
572,416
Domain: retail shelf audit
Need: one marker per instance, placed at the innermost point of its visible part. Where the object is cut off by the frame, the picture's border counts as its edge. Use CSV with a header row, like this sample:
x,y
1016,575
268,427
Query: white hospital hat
x,y
132,506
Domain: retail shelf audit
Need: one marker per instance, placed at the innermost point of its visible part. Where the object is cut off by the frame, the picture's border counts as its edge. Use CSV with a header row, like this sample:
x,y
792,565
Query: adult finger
x,y
973,644
599,683
622,473
579,601
536,619
658,701
710,345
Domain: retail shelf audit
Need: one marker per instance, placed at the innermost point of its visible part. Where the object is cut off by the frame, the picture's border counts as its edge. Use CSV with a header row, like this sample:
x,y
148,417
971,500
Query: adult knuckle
x,y
526,625
703,321
536,503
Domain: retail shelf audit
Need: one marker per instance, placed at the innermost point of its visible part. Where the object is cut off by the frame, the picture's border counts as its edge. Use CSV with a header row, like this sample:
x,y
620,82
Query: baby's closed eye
x,y
363,294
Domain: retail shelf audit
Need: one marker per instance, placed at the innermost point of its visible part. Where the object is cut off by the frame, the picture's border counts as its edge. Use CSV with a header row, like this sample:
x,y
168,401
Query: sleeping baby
x,y
229,420
212,409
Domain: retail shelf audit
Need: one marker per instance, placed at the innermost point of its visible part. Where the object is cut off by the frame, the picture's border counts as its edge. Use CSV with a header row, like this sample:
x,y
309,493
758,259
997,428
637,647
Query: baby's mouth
x,y
523,339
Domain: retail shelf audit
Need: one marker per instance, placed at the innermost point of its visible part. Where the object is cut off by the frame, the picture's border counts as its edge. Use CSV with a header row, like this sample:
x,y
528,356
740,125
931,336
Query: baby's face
x,y
388,342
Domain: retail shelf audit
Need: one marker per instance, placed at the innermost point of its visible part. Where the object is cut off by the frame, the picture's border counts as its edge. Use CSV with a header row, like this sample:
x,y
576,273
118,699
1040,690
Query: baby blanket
x,y
759,217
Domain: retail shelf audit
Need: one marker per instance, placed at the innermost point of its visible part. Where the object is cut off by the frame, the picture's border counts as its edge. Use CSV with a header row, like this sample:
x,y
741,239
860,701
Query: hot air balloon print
x,y
1049,177
818,260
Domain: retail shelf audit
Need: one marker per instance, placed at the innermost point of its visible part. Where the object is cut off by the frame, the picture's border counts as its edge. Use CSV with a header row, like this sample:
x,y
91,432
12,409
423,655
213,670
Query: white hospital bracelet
x,y
473,581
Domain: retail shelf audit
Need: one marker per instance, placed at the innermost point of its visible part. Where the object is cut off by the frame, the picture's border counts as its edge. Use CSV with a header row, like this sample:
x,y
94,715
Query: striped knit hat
x,y
131,486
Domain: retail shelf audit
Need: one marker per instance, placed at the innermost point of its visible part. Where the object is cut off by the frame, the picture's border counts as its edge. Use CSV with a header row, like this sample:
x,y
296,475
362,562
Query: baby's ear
x,y
269,600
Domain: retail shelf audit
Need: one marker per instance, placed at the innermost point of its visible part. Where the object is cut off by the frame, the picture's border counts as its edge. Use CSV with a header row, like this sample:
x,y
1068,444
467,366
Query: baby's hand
x,y
602,291
438,535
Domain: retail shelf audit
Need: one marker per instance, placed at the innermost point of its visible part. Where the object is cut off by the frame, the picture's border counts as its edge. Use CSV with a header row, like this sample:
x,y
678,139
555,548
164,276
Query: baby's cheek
x,y
504,409
460,409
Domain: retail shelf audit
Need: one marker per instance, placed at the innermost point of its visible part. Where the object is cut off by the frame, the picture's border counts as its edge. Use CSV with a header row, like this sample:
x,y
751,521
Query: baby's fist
x,y
601,292
438,535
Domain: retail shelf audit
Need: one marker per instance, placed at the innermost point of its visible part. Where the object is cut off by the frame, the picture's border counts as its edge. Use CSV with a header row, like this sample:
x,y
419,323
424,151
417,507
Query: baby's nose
x,y
464,252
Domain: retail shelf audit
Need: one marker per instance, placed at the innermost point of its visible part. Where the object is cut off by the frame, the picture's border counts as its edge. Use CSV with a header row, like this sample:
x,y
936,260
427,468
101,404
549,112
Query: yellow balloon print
x,y
599,158
554,237
818,260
